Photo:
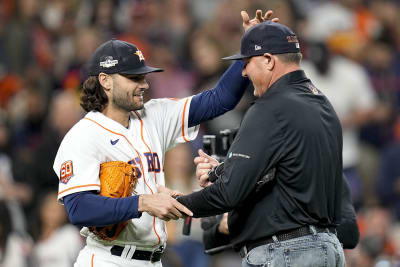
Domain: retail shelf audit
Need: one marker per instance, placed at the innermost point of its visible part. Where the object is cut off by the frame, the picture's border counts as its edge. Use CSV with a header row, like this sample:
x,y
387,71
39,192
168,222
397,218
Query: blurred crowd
x,y
351,51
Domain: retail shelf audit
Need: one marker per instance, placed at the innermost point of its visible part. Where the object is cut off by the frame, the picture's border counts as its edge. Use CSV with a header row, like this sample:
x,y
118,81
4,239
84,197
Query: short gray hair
x,y
290,57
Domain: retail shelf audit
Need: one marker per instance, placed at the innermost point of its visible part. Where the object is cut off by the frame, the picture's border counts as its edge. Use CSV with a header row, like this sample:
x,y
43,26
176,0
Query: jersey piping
x,y
141,134
183,121
78,186
141,166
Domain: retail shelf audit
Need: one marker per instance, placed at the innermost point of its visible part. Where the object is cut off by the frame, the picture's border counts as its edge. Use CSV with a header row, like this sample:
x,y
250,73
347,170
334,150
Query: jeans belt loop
x,y
276,240
312,230
245,251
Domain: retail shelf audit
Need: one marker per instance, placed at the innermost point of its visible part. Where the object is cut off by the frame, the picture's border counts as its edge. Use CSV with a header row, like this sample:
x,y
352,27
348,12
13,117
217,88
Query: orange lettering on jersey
x,y
66,172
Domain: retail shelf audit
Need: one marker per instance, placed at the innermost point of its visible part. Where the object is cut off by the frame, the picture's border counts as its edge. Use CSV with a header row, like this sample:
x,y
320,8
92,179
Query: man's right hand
x,y
163,206
204,163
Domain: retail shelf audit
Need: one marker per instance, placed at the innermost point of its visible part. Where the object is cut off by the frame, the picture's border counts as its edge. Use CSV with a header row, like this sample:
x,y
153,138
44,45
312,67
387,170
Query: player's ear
x,y
106,81
269,61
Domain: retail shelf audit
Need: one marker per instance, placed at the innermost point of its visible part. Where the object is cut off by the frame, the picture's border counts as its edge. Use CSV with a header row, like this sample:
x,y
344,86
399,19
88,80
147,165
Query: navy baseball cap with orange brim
x,y
116,56
267,37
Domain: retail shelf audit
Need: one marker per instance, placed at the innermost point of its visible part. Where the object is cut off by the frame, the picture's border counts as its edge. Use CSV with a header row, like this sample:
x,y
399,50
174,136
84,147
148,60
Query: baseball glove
x,y
117,179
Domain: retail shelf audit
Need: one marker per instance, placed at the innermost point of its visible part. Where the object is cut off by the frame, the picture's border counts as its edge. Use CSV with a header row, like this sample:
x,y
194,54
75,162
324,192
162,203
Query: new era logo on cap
x,y
121,57
267,37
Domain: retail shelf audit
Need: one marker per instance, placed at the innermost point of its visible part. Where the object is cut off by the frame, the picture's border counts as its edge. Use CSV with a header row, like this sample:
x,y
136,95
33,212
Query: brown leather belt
x,y
286,235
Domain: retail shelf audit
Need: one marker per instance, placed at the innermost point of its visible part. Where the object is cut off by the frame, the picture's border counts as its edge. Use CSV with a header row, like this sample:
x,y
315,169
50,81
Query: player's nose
x,y
144,85
244,72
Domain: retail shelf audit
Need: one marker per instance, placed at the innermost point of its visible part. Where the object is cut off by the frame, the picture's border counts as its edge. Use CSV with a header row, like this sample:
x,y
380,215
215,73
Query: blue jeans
x,y
319,249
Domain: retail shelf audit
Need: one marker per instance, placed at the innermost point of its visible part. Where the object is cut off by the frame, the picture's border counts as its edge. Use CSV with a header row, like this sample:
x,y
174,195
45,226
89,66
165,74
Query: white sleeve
x,y
77,163
171,120
364,94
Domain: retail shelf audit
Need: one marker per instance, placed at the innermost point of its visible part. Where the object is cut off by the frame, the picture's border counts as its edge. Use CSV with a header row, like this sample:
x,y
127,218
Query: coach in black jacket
x,y
348,233
293,128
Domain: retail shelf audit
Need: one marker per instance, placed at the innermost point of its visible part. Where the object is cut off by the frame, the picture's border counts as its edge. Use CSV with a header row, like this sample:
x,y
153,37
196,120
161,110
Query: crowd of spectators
x,y
351,51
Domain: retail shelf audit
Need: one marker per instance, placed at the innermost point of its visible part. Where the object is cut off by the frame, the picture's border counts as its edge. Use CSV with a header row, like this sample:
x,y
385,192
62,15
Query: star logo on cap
x,y
139,54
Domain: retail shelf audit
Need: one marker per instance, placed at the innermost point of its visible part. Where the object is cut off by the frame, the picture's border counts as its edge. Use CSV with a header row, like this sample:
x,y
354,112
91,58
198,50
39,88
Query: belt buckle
x,y
156,254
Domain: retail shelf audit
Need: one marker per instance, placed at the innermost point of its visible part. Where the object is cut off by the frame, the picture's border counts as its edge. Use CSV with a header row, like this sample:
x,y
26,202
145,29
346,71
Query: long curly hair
x,y
93,96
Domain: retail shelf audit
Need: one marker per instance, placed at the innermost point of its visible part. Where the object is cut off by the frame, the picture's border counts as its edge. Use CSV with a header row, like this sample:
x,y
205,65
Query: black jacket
x,y
347,232
292,128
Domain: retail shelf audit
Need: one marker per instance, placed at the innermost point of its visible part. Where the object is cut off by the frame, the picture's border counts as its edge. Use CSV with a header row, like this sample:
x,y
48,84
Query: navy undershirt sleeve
x,y
220,99
90,209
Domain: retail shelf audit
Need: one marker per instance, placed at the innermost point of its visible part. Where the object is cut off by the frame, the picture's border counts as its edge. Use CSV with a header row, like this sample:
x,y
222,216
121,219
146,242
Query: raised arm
x,y
229,89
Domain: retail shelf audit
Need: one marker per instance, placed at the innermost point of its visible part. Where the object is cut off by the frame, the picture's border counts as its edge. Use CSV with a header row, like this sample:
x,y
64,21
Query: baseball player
x,y
120,127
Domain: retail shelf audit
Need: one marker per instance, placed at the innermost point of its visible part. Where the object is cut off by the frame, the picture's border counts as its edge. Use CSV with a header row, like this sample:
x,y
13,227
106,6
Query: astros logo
x,y
139,54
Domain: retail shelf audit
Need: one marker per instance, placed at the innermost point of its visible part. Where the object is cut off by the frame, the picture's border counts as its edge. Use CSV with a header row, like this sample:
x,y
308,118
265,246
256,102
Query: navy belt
x,y
286,235
142,255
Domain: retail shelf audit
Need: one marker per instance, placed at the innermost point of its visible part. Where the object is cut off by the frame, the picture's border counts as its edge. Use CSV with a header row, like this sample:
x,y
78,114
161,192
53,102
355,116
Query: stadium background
x,y
45,43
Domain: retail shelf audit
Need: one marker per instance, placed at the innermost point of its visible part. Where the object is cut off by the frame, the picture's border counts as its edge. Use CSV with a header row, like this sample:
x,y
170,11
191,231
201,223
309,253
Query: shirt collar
x,y
296,76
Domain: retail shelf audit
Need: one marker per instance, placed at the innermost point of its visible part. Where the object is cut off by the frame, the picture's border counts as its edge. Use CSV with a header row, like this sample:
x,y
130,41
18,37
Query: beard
x,y
126,102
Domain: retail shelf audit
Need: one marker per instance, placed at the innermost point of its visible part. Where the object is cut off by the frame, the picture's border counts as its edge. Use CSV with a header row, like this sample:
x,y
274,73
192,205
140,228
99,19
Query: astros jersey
x,y
95,139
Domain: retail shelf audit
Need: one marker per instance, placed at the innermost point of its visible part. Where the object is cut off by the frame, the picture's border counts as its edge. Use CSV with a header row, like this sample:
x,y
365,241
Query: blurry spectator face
x,y
377,222
351,3
86,42
163,56
64,112
35,104
177,160
3,135
206,55
53,14
104,13
28,8
385,11
52,214
379,56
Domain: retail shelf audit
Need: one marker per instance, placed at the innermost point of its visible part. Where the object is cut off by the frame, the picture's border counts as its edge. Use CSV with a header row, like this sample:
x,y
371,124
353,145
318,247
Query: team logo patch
x,y
139,54
66,172
313,89
108,62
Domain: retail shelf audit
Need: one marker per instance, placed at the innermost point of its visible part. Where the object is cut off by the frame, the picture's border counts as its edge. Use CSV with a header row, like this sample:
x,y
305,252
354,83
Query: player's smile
x,y
139,95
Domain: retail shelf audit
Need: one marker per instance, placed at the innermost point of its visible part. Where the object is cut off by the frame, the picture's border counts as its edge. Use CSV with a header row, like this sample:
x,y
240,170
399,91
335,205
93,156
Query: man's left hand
x,y
258,18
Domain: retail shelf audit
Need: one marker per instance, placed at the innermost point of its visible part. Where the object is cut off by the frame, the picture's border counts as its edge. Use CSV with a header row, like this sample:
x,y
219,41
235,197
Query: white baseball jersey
x,y
95,139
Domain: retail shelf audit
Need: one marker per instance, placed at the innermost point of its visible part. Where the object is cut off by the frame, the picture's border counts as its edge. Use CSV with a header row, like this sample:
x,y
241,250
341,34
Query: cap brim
x,y
235,57
142,70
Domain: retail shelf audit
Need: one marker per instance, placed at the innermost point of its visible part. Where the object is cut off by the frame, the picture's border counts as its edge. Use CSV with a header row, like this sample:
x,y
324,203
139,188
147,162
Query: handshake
x,y
164,205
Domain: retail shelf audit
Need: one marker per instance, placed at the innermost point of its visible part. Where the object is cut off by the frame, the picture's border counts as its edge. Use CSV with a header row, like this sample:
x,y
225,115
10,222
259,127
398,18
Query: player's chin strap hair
x,y
93,96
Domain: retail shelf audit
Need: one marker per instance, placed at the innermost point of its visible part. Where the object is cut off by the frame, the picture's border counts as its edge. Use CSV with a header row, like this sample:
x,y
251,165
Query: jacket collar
x,y
293,77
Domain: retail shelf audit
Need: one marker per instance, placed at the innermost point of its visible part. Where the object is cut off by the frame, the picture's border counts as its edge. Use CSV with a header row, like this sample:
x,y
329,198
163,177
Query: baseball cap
x,y
116,56
267,37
